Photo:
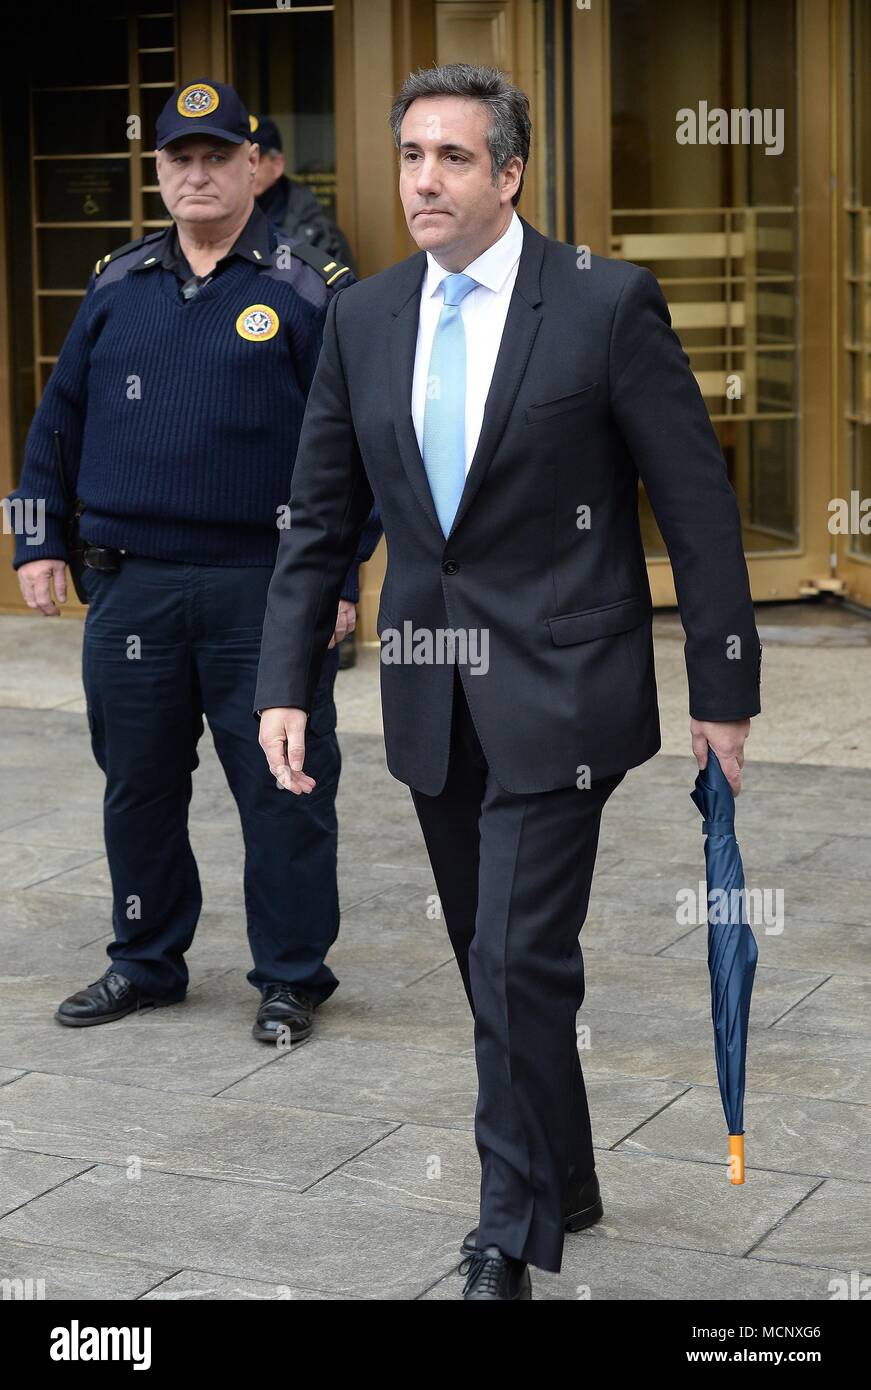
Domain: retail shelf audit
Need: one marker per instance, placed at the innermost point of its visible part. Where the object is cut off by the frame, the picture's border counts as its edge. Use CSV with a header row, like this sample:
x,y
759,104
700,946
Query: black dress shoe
x,y
112,996
284,1014
491,1274
582,1208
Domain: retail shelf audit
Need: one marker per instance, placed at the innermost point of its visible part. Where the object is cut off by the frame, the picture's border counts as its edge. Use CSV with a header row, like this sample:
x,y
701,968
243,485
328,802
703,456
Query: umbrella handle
x,y
736,1158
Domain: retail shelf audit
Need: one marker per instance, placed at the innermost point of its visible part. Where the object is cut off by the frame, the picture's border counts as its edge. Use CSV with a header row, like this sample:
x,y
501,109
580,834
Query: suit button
x,y
450,567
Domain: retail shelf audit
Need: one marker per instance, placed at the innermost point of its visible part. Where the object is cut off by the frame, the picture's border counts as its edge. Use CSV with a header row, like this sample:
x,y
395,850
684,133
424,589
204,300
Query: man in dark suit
x,y
500,397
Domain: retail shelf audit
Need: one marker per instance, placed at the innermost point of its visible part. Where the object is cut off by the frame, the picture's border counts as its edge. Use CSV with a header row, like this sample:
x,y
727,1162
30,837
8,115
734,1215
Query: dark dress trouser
x,y
513,874
198,629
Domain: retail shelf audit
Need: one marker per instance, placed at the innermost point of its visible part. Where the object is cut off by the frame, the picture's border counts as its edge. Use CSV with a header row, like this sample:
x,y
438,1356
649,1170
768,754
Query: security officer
x,y
291,206
177,400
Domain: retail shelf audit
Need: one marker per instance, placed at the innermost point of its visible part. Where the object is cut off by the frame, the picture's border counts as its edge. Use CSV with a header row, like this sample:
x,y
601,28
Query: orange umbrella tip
x,y
736,1158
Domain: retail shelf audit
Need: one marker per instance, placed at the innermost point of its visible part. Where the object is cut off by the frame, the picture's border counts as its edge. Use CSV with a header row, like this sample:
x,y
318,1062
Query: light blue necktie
x,y
444,416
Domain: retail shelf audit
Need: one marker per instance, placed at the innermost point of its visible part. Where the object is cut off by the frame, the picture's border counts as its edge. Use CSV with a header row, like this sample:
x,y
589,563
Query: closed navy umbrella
x,y
732,949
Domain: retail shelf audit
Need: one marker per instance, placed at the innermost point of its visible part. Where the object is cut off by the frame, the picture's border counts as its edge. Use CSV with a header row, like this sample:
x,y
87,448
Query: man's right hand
x,y
282,738
36,578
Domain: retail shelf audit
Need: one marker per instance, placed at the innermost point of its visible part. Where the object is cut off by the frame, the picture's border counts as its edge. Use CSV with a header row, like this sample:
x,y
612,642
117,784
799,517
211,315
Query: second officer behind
x,y
177,402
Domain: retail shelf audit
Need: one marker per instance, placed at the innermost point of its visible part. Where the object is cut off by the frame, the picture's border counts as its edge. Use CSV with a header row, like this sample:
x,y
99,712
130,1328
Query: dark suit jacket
x,y
591,390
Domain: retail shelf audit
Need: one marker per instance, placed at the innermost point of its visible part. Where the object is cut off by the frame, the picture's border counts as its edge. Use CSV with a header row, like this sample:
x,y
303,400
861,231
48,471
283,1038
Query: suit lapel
x,y
403,344
521,326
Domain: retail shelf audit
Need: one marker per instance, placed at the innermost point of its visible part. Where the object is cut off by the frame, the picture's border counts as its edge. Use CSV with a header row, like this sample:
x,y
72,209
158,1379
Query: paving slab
x,y
833,1227
24,865
24,1176
828,1066
53,1273
784,1133
198,1286
37,923
843,853
647,1198
383,1080
187,1047
682,988
136,1127
839,1005
796,943
245,1231
620,1270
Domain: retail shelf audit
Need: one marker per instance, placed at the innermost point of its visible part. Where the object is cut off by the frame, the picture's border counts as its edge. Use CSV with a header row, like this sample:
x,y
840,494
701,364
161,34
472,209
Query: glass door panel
x,y
716,223
282,64
79,180
854,535
718,117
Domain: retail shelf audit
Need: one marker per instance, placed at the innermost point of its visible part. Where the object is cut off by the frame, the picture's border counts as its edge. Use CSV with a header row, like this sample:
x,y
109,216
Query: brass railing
x,y
730,280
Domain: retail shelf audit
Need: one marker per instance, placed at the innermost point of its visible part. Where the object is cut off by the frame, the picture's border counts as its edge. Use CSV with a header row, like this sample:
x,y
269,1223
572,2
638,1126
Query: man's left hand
x,y
346,621
727,741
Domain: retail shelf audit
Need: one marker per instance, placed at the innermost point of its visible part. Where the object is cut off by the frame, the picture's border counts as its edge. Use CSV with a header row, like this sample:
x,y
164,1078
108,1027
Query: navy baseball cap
x,y
265,133
204,108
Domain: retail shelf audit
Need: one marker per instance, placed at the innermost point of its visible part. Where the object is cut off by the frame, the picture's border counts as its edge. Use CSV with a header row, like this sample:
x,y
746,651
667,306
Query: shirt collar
x,y
254,243
491,268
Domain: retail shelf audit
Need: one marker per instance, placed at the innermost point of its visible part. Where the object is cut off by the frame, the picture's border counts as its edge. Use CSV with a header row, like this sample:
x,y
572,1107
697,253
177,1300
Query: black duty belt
x,y
102,557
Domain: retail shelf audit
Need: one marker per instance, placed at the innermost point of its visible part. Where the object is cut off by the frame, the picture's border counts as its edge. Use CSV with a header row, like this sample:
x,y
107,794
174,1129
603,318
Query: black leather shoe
x,y
582,1208
112,996
285,1014
494,1275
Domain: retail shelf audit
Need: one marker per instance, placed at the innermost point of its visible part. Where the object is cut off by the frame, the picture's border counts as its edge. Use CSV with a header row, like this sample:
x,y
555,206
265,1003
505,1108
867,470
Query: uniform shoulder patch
x,y
327,266
126,248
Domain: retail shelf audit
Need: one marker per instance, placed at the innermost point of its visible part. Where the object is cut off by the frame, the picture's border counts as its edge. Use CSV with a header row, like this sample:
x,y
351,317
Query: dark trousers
x,y
165,644
513,874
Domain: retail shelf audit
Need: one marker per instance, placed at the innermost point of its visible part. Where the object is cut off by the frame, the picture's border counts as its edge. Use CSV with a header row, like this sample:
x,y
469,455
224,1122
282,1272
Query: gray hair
x,y
510,130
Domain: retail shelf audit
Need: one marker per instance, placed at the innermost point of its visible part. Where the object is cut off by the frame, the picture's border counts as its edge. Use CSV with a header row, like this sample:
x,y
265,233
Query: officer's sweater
x,y
181,420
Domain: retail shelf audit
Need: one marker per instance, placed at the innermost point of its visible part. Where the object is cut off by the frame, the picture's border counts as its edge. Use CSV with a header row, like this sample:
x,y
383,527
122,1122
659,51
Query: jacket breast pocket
x,y
561,405
604,621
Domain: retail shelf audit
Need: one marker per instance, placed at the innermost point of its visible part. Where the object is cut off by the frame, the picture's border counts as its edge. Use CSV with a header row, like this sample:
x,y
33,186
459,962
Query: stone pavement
x,y
170,1156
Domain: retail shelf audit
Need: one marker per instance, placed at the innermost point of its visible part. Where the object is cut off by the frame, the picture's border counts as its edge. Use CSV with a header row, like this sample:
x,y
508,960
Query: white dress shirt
x,y
484,311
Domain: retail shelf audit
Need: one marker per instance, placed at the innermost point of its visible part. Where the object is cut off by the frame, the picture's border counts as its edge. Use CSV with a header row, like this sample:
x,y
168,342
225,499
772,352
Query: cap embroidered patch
x,y
197,100
257,323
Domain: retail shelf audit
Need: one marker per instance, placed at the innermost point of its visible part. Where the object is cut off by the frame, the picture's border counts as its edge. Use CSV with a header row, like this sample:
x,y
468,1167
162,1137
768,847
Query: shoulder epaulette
x,y
128,246
327,266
